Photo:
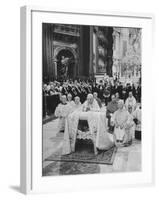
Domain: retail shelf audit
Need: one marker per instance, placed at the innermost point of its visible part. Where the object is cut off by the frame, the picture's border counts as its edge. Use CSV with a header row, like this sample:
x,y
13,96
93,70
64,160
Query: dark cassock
x,y
137,120
111,108
83,95
119,90
124,95
106,95
44,104
95,88
113,89
111,92
52,101
139,93
128,89
48,103
134,90
100,91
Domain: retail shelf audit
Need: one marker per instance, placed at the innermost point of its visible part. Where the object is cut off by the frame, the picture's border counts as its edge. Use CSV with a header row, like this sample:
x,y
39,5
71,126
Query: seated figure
x,y
90,104
120,121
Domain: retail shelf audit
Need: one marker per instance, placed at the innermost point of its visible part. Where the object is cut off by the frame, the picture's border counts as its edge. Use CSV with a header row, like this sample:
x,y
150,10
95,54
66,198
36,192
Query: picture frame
x,y
31,102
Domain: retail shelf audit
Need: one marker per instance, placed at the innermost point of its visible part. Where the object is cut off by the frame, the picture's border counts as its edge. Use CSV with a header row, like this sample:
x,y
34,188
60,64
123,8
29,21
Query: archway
x,y
65,64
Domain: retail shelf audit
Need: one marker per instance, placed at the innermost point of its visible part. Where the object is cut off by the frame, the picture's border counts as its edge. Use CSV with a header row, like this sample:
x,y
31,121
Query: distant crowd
x,y
121,102
52,92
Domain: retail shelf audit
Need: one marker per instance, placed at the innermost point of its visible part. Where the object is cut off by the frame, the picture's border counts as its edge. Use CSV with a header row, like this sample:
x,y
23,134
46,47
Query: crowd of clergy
x,y
121,102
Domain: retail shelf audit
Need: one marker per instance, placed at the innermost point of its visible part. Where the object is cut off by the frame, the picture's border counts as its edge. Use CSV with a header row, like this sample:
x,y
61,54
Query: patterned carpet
x,y
82,161
70,168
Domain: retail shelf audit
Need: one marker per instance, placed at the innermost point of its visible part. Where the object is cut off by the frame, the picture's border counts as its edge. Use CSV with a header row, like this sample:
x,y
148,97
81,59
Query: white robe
x,y
130,101
120,118
129,129
97,126
62,111
93,107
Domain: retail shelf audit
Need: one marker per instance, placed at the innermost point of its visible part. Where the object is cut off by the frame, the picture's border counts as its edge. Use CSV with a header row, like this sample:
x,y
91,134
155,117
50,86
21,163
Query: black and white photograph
x,y
91,99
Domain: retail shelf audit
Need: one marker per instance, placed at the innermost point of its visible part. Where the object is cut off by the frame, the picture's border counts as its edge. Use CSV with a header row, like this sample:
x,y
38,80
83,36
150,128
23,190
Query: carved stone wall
x,y
127,53
55,39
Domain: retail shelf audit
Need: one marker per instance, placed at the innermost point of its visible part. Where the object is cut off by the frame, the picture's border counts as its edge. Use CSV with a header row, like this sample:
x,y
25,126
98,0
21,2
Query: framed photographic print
x,y
86,99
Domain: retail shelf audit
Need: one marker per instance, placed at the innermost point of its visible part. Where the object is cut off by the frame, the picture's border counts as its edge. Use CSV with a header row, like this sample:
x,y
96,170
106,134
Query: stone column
x,y
80,69
94,52
97,52
110,51
91,52
55,67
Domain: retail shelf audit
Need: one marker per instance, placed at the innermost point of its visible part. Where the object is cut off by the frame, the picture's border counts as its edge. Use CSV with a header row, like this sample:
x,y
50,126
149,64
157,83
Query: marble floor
x,y
126,159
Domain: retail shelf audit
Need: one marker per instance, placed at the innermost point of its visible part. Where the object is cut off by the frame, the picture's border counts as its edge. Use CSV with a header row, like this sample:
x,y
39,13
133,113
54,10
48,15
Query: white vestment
x,y
120,119
130,101
97,130
129,129
62,111
77,107
92,107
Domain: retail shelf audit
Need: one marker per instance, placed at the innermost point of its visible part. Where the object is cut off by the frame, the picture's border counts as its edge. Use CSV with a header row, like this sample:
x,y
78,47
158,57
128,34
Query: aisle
x,y
126,158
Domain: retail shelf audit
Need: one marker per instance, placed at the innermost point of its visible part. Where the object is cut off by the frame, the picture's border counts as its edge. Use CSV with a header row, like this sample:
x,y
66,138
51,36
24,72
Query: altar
x,y
97,132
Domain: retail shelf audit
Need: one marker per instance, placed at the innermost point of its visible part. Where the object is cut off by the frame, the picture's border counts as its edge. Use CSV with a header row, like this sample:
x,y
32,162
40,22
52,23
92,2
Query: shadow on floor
x,y
15,188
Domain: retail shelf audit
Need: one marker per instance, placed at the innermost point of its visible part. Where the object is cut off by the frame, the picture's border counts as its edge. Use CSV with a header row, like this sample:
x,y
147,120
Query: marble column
x,y
55,68
91,52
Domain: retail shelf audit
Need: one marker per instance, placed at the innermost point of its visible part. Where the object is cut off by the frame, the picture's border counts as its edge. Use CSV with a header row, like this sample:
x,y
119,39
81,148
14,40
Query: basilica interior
x,y
71,53
90,51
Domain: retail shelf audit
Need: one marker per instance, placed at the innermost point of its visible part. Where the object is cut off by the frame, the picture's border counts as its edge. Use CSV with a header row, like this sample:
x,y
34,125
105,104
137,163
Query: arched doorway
x,y
65,64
